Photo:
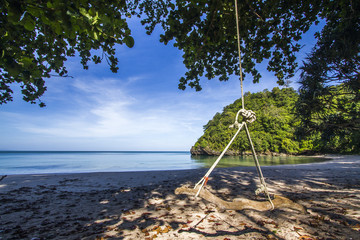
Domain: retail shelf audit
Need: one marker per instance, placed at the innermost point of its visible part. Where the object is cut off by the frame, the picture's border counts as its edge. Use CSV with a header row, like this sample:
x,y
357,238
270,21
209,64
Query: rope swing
x,y
248,116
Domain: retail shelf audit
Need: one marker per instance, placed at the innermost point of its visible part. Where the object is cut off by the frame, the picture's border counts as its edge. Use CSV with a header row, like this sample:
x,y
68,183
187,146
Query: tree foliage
x,y
37,37
206,32
329,103
278,127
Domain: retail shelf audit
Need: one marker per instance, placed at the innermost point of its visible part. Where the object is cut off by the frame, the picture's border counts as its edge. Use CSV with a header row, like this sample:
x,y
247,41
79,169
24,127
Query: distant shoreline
x,y
53,162
200,151
330,159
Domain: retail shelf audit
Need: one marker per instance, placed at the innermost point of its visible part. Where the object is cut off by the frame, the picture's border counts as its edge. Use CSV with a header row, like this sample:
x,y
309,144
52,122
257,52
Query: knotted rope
x,y
247,115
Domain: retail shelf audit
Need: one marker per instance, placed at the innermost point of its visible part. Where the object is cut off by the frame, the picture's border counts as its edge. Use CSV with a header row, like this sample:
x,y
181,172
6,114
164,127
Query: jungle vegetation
x,y
329,100
278,127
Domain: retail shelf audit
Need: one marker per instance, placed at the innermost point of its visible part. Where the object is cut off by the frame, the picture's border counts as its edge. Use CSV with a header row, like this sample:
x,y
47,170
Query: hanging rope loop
x,y
261,189
247,115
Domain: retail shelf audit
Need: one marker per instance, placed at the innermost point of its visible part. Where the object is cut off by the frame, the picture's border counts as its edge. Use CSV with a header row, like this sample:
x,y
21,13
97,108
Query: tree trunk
x,y
242,203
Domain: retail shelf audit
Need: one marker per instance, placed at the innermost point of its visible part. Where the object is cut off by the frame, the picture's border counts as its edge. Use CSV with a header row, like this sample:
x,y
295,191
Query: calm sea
x,y
34,162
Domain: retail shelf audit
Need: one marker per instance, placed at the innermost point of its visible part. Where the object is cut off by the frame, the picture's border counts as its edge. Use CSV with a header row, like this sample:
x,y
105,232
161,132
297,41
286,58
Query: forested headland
x,y
280,127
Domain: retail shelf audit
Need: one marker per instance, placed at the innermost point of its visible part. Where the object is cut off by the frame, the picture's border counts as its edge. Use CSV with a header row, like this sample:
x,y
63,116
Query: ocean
x,y
40,162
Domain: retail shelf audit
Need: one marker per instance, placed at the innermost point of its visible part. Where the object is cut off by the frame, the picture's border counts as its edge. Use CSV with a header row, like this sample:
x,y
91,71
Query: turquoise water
x,y
235,161
30,162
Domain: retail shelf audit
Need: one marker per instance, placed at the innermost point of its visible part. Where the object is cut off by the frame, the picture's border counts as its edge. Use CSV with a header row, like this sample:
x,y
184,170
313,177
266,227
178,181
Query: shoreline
x,y
205,151
326,157
142,205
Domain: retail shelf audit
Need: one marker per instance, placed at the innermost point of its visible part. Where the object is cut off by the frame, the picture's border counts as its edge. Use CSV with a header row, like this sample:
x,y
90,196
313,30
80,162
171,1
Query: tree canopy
x,y
329,101
37,37
269,30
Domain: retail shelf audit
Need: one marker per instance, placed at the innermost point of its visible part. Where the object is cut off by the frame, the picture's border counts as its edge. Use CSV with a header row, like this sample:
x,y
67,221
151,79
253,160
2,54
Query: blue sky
x,y
140,108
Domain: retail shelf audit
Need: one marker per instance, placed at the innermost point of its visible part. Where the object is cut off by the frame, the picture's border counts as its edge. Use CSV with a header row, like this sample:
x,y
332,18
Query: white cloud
x,y
106,110
115,114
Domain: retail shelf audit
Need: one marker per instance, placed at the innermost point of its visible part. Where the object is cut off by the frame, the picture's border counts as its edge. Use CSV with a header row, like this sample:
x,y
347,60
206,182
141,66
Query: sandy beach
x,y
143,205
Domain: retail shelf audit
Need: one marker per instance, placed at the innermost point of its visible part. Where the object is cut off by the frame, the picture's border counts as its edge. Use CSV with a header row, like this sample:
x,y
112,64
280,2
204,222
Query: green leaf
x,y
95,35
29,23
129,41
26,61
49,5
85,13
57,28
45,20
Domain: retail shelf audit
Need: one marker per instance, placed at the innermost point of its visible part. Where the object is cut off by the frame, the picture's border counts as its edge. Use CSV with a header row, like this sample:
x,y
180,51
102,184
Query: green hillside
x,y
272,132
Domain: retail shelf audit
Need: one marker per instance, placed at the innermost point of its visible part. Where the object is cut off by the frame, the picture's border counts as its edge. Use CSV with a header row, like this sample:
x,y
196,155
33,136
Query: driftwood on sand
x,y
242,203
2,177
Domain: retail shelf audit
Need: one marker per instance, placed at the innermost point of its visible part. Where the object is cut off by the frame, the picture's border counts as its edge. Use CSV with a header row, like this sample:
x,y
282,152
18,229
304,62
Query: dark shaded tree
x,y
329,102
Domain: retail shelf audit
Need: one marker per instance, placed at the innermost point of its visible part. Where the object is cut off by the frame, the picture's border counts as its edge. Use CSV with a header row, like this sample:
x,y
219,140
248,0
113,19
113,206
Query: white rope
x,y
204,180
239,51
262,187
248,116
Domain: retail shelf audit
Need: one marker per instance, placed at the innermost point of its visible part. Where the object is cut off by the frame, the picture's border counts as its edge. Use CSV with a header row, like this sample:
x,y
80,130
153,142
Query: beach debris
x,y
306,237
155,231
242,203
356,227
2,177
297,229
270,237
105,201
